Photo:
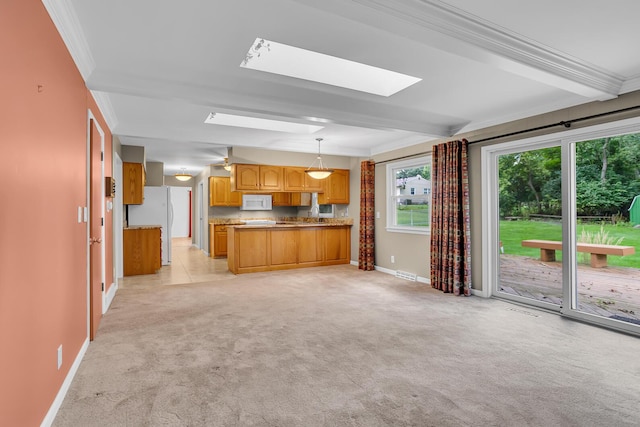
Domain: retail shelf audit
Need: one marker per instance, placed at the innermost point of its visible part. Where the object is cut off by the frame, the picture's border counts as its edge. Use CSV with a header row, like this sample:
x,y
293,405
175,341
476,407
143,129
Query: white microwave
x,y
256,202
327,211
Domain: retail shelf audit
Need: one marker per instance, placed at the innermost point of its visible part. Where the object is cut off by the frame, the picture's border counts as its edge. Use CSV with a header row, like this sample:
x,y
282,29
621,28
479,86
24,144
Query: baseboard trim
x,y
111,293
352,262
57,403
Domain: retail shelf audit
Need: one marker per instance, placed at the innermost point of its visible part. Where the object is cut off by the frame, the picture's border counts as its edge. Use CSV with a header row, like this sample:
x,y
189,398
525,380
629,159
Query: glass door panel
x,y
530,226
607,243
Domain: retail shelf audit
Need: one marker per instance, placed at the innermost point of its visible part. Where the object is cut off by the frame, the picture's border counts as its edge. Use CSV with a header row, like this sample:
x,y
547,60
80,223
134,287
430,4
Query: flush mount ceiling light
x,y
257,123
183,175
319,171
277,58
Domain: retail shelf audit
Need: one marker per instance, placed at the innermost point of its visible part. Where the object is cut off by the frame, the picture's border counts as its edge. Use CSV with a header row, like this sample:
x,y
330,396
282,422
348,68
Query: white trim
x,y
66,20
62,392
353,262
385,270
631,84
391,196
500,46
106,108
108,299
393,273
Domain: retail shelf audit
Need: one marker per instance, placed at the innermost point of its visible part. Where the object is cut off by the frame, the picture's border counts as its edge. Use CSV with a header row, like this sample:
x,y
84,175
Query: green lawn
x,y
416,215
512,233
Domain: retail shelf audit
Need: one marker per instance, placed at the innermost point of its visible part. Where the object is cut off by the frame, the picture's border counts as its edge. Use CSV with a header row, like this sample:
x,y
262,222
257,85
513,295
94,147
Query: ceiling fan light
x,y
227,167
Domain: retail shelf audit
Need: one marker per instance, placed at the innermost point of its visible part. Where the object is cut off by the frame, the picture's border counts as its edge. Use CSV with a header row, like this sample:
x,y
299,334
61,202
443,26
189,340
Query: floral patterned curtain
x,y
366,253
450,230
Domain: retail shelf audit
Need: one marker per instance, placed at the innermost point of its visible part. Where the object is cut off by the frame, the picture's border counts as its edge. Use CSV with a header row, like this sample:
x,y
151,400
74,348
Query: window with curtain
x,y
409,189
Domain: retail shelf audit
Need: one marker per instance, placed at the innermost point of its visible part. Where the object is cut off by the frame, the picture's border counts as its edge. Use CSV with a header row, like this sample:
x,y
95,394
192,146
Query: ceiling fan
x,y
224,165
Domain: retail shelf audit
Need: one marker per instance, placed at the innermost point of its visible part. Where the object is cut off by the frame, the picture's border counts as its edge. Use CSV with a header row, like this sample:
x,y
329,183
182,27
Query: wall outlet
x,y
393,259
59,356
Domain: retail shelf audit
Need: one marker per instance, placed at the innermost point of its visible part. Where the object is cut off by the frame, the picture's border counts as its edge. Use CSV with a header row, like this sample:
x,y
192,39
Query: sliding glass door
x,y
562,230
607,246
529,210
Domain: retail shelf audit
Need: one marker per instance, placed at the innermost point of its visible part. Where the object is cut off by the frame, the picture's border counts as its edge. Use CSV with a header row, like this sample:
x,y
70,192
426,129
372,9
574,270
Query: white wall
x,y
181,204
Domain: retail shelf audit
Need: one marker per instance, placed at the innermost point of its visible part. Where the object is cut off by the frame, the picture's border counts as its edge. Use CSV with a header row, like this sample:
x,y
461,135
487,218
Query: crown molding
x,y
66,21
501,47
106,108
631,85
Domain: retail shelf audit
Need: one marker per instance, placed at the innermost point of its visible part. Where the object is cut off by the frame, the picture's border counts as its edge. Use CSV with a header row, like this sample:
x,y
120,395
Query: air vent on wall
x,y
406,276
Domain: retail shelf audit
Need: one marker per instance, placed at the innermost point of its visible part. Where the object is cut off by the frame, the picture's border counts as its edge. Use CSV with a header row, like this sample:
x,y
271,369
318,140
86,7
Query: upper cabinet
x,y
336,188
256,178
295,179
133,180
220,193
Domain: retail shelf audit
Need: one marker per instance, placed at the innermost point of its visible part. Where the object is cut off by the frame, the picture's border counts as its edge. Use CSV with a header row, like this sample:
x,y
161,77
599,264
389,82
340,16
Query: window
x,y
409,189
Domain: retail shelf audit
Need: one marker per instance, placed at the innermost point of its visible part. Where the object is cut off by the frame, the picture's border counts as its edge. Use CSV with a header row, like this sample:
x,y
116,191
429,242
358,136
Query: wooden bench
x,y
598,253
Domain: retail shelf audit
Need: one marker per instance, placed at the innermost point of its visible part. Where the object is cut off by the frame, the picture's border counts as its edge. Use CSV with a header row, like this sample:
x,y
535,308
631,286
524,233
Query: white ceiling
x,y
158,69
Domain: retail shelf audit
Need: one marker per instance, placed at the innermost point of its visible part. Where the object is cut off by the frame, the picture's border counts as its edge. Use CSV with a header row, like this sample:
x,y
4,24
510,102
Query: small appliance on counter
x,y
256,202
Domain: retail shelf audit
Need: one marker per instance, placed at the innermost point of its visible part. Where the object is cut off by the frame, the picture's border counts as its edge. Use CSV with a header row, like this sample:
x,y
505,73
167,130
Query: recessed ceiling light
x,y
278,58
257,123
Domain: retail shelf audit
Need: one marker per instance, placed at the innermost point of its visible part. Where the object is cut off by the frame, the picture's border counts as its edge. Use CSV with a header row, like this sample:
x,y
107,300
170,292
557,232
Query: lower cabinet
x,y
254,249
142,250
217,241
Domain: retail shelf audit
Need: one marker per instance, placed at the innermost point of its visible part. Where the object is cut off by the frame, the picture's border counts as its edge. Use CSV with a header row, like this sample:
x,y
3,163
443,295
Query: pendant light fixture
x,y
319,171
183,175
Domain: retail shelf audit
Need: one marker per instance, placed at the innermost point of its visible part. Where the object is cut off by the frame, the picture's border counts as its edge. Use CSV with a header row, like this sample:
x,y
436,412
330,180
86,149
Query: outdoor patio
x,y
609,292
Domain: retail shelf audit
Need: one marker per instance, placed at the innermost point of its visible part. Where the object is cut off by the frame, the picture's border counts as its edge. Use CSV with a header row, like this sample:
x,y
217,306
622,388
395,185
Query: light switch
x,y
79,214
378,214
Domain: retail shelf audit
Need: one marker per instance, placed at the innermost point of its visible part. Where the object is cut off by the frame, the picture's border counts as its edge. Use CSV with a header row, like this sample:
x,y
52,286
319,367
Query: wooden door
x,y
96,221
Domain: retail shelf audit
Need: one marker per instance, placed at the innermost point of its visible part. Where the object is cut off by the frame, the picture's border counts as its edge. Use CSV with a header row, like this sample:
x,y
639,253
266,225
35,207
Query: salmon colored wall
x,y
43,285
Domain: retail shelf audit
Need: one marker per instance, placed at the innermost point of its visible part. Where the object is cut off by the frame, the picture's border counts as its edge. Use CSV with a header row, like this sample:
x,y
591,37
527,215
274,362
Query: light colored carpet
x,y
340,347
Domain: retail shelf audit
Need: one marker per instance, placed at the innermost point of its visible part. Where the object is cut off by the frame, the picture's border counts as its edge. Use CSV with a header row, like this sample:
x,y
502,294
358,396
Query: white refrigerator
x,y
156,209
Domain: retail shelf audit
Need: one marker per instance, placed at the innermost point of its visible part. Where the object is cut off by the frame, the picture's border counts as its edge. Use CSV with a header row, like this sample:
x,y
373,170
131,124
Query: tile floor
x,y
188,265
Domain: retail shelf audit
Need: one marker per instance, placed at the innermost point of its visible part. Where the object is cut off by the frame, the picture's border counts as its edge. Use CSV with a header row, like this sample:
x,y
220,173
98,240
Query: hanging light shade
x,y
317,170
183,176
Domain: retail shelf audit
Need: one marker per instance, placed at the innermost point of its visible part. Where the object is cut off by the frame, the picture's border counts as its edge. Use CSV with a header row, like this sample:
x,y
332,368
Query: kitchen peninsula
x,y
285,245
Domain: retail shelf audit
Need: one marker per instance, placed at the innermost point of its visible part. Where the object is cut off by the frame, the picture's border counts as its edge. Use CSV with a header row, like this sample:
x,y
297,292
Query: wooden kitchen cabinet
x,y
283,246
276,247
142,250
336,188
281,199
295,179
259,178
217,240
133,180
220,193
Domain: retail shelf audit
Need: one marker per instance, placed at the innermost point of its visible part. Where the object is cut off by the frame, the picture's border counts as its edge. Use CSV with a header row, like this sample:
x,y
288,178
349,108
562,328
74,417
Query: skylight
x,y
257,123
278,58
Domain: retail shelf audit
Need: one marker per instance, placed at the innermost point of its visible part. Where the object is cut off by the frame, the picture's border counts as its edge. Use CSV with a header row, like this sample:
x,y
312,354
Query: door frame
x,y
490,226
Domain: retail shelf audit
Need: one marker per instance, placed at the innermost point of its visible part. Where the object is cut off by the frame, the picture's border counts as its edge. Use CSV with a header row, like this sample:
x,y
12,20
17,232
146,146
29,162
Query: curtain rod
x,y
566,123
